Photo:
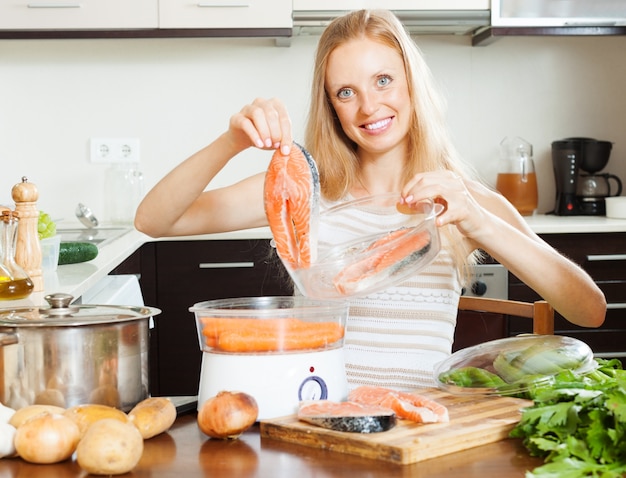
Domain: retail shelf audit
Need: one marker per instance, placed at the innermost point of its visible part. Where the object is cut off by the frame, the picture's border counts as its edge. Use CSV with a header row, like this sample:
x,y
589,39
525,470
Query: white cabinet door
x,y
225,14
558,13
78,14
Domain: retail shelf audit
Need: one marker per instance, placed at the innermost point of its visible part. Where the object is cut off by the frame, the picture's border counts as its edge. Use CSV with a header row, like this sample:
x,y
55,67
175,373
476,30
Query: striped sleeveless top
x,y
395,337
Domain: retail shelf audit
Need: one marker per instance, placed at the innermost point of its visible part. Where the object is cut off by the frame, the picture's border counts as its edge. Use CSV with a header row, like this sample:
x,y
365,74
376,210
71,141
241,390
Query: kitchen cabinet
x,y
225,14
512,13
177,274
78,14
603,256
144,18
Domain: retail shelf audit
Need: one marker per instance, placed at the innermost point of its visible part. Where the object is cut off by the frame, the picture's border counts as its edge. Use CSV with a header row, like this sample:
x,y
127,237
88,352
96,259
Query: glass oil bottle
x,y
14,282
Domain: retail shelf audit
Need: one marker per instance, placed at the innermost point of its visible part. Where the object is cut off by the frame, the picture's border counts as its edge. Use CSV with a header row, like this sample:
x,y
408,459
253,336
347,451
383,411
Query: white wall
x,y
176,95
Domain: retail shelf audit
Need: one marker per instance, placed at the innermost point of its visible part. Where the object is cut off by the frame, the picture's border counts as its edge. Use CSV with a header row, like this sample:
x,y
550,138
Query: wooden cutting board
x,y
474,421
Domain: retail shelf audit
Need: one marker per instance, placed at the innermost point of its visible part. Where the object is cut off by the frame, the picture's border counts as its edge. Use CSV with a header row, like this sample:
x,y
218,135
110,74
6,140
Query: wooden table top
x,y
184,452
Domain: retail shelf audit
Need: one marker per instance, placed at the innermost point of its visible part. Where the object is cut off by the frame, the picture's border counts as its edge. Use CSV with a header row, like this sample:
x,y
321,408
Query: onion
x,y
47,438
227,415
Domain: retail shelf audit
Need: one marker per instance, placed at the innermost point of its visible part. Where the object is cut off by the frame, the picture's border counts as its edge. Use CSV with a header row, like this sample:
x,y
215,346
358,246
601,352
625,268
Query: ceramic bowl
x,y
616,207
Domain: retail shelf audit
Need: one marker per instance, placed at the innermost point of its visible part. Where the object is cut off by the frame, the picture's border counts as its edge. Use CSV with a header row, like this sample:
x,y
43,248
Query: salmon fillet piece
x,y
291,199
390,254
406,405
347,416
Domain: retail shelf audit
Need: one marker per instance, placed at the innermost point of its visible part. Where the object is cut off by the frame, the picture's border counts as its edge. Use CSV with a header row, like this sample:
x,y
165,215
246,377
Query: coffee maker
x,y
580,189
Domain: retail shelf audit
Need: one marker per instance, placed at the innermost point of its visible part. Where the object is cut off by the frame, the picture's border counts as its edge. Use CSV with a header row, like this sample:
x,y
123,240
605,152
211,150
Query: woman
x,y
375,126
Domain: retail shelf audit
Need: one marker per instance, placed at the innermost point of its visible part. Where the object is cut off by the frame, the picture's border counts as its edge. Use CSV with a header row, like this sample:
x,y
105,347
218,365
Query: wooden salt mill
x,y
27,247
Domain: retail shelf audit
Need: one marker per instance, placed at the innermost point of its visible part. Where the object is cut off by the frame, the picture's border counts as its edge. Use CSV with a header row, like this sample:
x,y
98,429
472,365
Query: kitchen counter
x,y
76,279
551,224
185,452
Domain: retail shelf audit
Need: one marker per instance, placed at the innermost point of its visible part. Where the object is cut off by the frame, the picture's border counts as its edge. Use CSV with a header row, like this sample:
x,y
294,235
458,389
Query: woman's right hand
x,y
264,123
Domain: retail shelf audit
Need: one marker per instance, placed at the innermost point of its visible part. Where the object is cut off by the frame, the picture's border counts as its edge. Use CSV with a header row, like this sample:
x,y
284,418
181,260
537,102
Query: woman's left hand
x,y
448,188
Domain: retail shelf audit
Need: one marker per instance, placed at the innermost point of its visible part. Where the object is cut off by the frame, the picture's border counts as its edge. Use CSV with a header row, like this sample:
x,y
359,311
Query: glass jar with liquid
x,y
517,179
14,282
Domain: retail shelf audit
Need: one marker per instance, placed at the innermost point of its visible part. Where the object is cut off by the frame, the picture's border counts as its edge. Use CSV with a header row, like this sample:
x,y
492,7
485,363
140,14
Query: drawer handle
x,y
225,265
616,305
606,257
610,354
53,5
223,3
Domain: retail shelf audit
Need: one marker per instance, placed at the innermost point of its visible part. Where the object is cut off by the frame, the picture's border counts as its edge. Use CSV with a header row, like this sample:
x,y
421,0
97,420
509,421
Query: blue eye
x,y
345,93
384,80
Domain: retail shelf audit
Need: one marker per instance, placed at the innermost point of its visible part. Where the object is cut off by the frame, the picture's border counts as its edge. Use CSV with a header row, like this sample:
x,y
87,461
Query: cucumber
x,y
74,252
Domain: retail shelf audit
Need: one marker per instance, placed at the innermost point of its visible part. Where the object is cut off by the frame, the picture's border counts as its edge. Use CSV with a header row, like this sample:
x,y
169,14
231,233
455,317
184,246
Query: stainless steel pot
x,y
69,355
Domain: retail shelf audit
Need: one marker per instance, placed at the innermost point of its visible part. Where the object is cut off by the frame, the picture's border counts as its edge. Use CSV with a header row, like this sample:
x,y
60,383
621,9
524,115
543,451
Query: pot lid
x,y
61,312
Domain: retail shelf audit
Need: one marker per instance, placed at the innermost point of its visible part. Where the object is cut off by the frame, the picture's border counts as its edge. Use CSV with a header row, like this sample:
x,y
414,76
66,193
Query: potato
x,y
25,413
85,415
46,438
110,447
153,416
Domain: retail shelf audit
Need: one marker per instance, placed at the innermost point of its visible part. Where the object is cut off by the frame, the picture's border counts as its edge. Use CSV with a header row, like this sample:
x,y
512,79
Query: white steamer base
x,y
278,382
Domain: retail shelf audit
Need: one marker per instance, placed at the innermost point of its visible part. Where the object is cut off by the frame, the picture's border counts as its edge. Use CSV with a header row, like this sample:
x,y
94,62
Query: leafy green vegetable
x,y
578,424
535,360
472,377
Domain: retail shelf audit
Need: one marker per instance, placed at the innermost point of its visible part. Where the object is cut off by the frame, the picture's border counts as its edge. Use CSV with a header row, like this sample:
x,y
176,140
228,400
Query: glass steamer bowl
x,y
376,243
280,350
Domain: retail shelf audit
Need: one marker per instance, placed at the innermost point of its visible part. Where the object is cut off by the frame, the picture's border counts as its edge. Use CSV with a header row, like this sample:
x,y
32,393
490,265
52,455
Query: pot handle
x,y
7,338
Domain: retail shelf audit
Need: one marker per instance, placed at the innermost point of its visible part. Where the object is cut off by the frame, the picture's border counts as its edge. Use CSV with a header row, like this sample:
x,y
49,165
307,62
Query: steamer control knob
x,y
313,388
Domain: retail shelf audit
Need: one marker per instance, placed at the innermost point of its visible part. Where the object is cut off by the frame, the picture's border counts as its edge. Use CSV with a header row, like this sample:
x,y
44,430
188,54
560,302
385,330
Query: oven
x,y
487,280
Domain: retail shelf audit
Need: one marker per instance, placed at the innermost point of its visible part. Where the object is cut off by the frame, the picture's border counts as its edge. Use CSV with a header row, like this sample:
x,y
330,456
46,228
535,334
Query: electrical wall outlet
x,y
114,150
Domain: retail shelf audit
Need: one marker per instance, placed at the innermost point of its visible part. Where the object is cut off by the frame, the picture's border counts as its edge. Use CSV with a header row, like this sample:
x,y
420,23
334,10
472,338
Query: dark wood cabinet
x,y
603,256
175,275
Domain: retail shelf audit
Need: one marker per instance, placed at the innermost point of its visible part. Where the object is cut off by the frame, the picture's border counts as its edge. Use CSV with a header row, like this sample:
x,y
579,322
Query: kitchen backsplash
x,y
176,95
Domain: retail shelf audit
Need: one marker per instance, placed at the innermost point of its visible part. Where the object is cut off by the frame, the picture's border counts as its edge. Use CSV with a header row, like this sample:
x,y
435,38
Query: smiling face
x,y
367,86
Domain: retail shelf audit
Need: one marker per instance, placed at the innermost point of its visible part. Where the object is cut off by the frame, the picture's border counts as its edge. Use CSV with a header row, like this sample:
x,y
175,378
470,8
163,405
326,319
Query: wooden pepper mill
x,y
28,248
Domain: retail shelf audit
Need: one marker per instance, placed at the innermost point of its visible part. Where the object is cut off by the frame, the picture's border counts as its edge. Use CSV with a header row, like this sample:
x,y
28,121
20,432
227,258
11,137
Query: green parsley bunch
x,y
578,424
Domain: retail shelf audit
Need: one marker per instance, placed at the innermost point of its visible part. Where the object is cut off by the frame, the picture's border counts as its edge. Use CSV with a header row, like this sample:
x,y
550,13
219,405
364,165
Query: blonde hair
x,y
430,147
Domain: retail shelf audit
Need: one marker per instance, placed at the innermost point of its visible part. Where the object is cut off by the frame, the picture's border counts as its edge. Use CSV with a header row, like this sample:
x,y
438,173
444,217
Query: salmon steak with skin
x,y
347,416
406,405
389,255
291,200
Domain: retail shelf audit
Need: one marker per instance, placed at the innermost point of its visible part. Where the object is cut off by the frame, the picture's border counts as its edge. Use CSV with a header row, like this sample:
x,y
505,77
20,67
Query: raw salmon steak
x,y
382,259
291,199
347,416
406,405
